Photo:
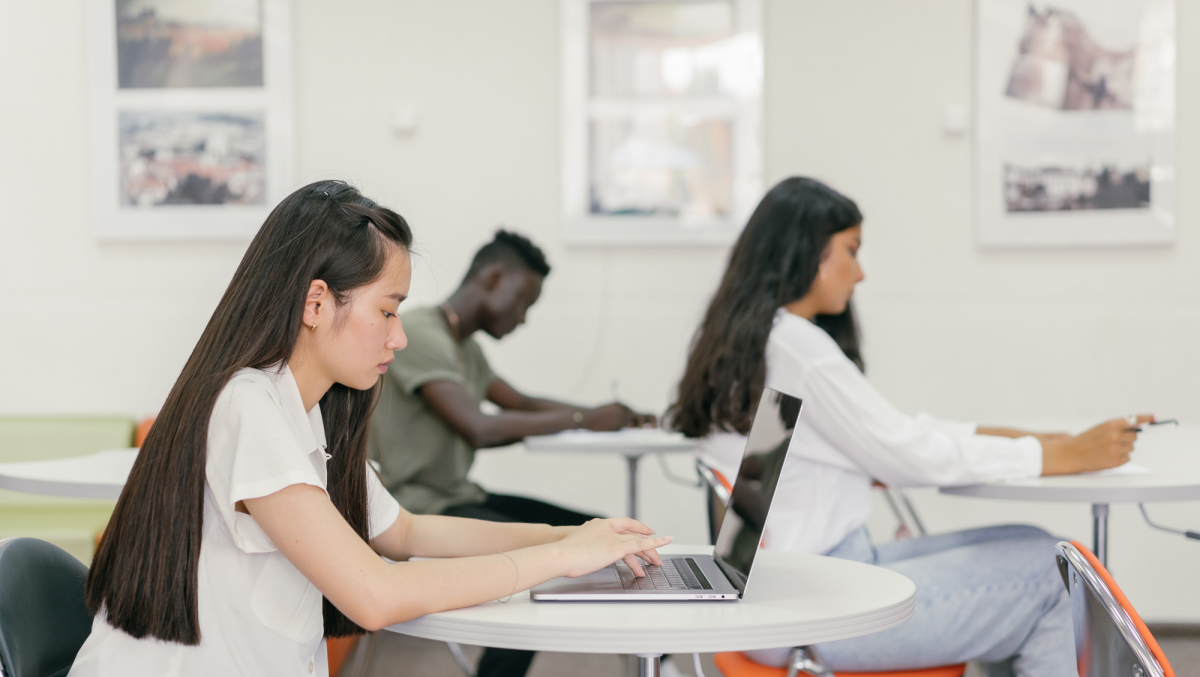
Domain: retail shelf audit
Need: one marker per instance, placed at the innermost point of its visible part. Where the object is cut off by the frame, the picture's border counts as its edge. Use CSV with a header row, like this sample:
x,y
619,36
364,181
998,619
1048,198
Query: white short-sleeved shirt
x,y
849,435
258,614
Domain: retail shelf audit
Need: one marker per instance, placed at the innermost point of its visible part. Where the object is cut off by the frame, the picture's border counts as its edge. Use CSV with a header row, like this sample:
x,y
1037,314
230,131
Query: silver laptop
x,y
725,574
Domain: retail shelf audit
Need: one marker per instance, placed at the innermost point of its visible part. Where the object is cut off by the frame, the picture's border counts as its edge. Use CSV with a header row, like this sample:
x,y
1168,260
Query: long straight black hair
x,y
774,262
145,573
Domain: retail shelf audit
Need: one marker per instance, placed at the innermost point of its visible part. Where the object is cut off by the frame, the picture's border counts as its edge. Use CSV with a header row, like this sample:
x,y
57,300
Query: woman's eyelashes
x,y
388,315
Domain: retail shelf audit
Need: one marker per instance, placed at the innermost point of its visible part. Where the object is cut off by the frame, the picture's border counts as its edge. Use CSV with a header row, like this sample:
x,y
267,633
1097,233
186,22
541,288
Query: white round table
x,y
1165,467
632,443
98,475
792,600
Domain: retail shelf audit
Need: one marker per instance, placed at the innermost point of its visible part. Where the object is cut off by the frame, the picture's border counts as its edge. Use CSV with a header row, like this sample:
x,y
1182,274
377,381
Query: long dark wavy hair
x,y
773,263
144,575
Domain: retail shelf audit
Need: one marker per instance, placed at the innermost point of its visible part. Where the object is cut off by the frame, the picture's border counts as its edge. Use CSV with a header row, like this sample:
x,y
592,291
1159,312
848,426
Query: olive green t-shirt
x,y
423,461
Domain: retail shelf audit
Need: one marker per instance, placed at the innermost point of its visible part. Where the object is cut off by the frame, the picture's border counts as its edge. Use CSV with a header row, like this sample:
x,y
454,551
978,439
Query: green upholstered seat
x,y
69,523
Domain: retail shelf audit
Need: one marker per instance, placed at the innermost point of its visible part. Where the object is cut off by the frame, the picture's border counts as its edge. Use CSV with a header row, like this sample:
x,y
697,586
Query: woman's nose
x,y
396,340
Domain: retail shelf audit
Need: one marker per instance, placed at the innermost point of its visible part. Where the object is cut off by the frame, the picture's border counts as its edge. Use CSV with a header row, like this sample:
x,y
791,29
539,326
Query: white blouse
x,y
258,614
848,435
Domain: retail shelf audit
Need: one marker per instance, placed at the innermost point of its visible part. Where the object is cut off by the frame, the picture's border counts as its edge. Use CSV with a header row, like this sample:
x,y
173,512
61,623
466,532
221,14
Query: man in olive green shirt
x,y
423,460
428,423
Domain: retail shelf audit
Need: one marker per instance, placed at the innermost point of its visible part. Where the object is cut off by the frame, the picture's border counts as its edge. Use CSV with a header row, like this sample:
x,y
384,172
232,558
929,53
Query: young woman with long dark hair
x,y
782,317
251,526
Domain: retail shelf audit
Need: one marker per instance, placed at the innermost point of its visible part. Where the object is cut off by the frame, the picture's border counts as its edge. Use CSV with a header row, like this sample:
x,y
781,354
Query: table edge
x,y
60,488
1189,492
684,640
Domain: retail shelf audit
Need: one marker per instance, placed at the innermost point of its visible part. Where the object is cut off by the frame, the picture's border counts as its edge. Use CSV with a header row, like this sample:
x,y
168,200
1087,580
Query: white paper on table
x,y
1129,468
623,432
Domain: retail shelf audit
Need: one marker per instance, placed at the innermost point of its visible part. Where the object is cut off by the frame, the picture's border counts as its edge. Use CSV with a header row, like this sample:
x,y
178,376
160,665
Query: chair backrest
x,y
40,438
908,522
43,618
143,429
718,489
1110,638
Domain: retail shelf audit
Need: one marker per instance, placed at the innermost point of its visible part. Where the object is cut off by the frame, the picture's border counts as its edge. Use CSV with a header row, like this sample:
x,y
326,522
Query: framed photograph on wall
x,y
661,120
191,116
1075,123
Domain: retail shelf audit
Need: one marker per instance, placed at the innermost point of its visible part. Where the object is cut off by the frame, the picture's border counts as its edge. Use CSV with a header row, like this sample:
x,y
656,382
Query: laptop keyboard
x,y
676,573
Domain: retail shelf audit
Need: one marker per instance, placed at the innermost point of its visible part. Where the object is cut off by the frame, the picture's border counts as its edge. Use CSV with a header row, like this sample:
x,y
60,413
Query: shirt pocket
x,y
287,602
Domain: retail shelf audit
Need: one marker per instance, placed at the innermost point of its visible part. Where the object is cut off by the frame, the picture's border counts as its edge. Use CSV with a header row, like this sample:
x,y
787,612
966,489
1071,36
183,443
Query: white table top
x,y
631,442
793,600
1165,467
98,475
103,474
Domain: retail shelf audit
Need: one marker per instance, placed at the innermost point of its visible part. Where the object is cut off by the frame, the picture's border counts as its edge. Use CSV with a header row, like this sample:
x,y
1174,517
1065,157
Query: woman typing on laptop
x,y
782,318
251,526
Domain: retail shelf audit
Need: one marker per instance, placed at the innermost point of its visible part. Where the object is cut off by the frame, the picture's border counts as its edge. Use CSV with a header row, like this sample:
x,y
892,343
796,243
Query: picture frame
x,y
191,117
676,158
1075,123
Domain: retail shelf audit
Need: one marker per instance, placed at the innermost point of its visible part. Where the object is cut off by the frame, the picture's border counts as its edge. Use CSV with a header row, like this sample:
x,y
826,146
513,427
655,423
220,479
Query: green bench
x,y
69,523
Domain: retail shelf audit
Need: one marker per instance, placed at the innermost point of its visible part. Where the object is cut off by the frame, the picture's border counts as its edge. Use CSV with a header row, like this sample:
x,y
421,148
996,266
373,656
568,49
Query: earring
x,y
313,327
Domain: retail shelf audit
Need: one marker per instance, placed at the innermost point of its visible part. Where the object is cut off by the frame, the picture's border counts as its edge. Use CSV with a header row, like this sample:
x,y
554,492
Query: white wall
x,y
854,95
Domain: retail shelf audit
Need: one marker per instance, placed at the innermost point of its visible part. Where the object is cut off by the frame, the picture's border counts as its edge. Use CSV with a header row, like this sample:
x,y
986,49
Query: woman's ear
x,y
315,301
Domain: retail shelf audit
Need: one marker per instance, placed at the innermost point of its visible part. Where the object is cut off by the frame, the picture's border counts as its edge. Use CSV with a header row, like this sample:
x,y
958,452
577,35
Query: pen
x,y
1162,422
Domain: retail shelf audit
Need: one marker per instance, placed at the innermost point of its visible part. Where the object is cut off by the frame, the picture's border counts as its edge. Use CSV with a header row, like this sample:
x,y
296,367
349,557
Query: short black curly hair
x,y
509,248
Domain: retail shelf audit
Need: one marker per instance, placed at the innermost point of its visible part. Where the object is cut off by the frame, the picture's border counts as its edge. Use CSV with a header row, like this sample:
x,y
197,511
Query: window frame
x,y
579,109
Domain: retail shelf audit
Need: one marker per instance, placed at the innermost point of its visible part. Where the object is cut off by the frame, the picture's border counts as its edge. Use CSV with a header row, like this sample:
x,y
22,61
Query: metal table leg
x,y
633,472
1100,532
648,664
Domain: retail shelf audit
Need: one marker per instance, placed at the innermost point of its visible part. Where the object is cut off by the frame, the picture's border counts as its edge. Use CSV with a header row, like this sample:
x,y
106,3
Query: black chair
x,y
43,618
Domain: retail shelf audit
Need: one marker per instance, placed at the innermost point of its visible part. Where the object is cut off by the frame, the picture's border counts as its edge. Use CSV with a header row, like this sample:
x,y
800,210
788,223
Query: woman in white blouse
x,y
782,318
251,526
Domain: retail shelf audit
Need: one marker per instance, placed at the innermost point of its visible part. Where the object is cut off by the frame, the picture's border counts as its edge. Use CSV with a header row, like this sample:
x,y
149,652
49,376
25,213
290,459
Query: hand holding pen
x,y
1136,425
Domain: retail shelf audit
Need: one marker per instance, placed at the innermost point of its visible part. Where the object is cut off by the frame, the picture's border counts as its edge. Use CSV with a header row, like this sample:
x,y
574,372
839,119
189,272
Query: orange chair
x,y
339,649
802,659
1110,638
719,492
143,429
735,664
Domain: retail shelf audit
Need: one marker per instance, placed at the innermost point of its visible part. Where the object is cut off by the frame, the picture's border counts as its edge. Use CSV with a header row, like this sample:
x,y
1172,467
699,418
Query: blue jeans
x,y
992,595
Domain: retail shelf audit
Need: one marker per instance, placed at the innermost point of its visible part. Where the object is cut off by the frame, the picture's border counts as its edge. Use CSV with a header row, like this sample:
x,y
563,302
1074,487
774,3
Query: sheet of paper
x,y
624,432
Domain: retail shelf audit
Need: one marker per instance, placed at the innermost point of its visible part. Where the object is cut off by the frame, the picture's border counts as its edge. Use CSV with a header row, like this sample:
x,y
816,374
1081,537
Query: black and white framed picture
x,y
191,120
1075,123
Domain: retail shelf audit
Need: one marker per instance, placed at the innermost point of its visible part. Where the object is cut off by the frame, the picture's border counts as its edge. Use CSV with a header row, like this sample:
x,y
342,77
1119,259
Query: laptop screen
x,y
741,528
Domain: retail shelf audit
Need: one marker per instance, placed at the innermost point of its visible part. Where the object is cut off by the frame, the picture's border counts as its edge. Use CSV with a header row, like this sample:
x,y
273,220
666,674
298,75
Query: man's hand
x,y
616,416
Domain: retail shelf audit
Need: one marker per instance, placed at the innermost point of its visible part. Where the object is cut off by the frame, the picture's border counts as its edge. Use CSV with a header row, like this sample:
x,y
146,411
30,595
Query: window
x,y
662,120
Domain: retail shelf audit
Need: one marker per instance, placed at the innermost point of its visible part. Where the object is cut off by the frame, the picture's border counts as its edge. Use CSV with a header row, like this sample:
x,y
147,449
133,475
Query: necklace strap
x,y
452,318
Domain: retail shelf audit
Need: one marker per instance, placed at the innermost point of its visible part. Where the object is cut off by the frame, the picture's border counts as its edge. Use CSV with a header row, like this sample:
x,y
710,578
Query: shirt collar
x,y
308,424
782,313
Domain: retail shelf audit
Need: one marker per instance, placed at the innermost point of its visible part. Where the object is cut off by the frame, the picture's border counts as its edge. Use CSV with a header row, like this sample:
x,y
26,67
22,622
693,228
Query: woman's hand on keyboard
x,y
600,542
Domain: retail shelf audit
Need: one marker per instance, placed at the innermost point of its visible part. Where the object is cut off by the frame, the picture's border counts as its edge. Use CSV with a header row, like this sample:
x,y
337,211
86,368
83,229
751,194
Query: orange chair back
x,y
339,649
723,480
143,429
1124,602
735,664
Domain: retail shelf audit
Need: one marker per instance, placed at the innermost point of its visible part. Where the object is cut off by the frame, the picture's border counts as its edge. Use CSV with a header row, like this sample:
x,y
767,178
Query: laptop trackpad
x,y
604,580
